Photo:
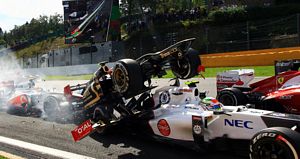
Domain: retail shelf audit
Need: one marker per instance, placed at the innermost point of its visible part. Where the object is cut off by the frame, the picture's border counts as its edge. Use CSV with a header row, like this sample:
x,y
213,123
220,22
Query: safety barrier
x,y
250,58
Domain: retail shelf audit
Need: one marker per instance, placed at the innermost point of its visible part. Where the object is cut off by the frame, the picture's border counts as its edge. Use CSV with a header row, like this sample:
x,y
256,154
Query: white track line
x,y
42,149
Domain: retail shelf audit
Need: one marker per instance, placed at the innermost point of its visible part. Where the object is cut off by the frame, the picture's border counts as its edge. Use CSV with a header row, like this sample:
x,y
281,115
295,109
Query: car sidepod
x,y
180,123
19,104
240,125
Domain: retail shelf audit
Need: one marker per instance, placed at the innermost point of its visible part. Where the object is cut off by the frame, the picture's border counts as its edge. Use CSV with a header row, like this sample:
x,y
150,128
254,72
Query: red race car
x,y
279,93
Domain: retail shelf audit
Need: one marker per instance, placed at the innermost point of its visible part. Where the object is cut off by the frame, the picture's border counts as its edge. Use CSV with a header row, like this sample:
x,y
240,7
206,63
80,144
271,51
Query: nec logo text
x,y
238,123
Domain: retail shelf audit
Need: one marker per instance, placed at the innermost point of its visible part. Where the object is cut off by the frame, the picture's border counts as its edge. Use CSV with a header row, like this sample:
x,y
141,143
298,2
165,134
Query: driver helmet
x,y
212,103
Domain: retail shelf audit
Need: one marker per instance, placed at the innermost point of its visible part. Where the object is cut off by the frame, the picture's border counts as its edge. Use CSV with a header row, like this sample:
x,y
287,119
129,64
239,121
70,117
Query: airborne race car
x,y
278,93
180,114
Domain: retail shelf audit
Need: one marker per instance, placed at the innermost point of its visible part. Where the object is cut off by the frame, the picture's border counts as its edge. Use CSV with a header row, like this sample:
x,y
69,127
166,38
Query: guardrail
x,y
65,70
250,58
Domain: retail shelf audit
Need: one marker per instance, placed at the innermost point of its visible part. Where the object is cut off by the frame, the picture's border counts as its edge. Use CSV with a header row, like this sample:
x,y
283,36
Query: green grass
x,y
1,157
260,71
80,77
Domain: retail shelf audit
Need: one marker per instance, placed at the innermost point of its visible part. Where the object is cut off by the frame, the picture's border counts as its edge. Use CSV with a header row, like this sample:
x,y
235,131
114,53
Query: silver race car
x,y
182,114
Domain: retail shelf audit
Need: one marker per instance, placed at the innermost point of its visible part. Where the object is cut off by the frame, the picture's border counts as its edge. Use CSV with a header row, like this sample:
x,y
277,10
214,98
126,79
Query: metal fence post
x,y
207,41
71,62
37,60
248,36
48,59
53,54
23,61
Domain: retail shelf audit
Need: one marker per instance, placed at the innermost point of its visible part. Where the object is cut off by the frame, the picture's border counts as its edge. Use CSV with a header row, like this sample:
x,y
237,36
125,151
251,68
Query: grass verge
x,y
80,77
260,71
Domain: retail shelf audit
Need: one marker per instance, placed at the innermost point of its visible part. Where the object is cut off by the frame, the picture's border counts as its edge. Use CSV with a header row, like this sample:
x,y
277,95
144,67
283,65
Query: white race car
x,y
175,113
184,115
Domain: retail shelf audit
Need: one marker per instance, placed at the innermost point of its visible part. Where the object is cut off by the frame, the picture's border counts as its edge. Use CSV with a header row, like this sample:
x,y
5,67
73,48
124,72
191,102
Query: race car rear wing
x,y
234,78
68,90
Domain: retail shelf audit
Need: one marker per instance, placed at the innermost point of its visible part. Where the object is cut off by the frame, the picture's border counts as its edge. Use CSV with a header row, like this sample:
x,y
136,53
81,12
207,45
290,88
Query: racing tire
x,y
276,142
51,107
127,77
187,67
232,97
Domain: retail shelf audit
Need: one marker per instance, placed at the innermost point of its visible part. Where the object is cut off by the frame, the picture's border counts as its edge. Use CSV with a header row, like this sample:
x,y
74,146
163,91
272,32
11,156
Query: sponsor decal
x,y
23,99
185,90
196,118
280,80
259,136
197,129
197,126
238,123
191,107
286,97
164,97
277,114
82,130
168,53
163,127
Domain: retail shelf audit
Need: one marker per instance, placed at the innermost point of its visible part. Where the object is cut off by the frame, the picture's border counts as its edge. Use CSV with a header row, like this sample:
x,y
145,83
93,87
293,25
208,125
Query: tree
x,y
1,32
35,30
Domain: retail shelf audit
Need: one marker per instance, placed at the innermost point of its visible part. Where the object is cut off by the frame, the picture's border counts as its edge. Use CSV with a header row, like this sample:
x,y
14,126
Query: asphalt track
x,y
121,144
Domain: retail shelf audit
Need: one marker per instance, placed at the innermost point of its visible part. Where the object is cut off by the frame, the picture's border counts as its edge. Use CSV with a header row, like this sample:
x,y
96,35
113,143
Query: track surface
x,y
121,144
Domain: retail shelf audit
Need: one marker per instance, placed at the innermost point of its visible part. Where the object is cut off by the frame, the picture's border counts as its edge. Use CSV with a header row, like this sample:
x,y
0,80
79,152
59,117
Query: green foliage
x,y
42,47
2,157
35,30
188,23
256,13
286,1
2,41
228,15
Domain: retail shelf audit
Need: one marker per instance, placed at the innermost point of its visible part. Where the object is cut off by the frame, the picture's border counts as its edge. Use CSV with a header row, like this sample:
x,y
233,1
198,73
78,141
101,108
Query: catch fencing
x,y
109,51
252,35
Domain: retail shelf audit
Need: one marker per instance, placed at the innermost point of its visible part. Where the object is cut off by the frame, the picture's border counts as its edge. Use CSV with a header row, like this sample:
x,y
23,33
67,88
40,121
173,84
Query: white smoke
x,y
9,66
11,71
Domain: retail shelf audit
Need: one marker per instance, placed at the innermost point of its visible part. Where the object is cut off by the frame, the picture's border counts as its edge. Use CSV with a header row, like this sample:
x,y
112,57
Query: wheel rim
x,y
273,150
182,68
120,79
226,99
51,103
